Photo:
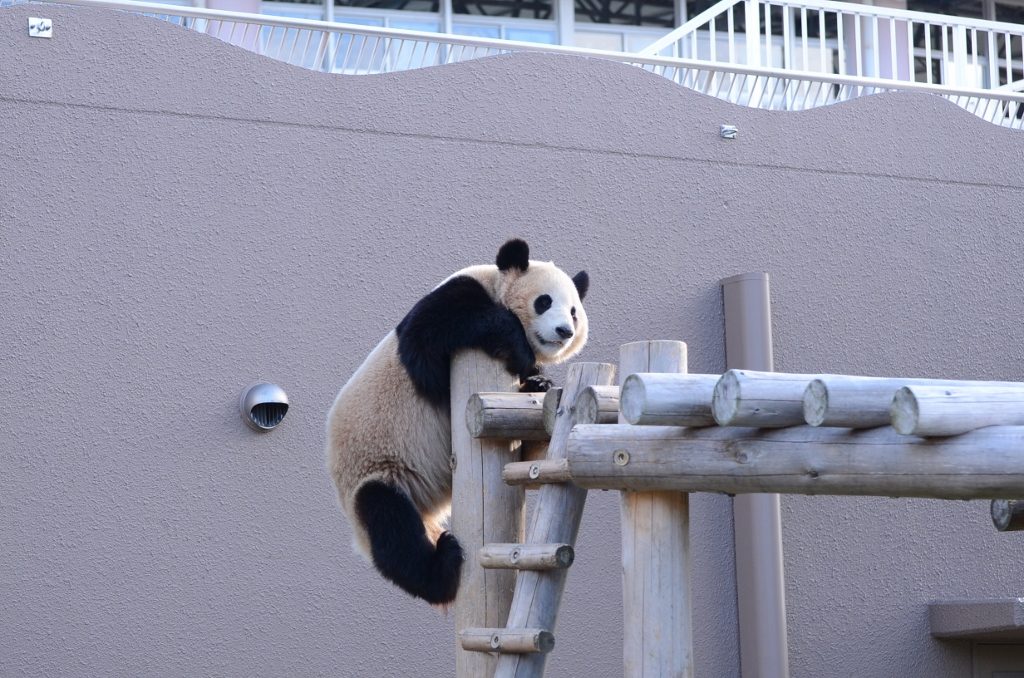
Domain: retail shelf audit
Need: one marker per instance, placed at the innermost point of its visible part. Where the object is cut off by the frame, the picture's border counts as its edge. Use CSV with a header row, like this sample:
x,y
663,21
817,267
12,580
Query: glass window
x,y
628,12
477,31
611,42
429,26
414,5
359,20
522,9
530,35
1013,14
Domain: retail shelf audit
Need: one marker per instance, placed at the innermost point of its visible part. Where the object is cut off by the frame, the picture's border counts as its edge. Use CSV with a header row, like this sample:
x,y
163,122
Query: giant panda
x,y
389,430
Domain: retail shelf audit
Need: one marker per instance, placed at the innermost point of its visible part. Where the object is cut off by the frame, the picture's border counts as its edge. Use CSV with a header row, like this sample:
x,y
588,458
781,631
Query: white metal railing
x,y
770,84
851,39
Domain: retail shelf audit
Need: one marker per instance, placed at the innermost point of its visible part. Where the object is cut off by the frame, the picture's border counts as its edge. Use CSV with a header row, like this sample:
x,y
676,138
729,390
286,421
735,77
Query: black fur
x,y
400,548
514,254
536,383
459,314
582,282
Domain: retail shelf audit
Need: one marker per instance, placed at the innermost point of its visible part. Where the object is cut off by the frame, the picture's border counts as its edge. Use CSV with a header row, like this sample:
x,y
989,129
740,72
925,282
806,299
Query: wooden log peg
x,y
920,410
1007,514
864,402
597,405
526,556
507,641
651,399
506,416
540,472
760,399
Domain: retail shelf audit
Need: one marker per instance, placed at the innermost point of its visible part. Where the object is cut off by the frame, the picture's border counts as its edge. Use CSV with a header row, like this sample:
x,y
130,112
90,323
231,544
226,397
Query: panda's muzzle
x,y
563,331
545,342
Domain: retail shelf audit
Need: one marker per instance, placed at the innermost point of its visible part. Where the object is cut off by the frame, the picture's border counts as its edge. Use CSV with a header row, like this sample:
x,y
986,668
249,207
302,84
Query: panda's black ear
x,y
514,254
582,282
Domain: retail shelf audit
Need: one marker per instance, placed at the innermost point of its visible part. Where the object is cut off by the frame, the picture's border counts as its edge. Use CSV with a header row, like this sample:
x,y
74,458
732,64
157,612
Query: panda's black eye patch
x,y
542,303
572,311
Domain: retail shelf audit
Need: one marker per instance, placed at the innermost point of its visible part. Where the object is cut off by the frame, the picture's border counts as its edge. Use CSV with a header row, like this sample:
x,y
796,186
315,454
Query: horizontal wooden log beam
x,y
760,399
929,410
510,641
506,416
983,464
863,402
652,399
526,556
597,405
542,471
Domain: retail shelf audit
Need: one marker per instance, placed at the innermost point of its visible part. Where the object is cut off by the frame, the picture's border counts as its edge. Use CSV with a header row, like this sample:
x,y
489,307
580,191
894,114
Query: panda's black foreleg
x,y
400,549
457,315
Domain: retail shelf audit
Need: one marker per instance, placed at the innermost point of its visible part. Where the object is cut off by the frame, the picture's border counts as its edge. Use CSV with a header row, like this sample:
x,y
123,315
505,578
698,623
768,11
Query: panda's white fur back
x,y
379,428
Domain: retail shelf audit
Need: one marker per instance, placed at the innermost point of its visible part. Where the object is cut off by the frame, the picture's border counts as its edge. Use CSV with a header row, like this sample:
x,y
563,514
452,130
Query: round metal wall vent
x,y
263,405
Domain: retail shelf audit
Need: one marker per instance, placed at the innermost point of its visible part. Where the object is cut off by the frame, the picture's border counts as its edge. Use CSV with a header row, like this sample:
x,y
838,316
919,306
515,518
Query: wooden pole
x,y
484,509
863,402
506,416
760,399
921,410
668,399
983,464
655,552
556,520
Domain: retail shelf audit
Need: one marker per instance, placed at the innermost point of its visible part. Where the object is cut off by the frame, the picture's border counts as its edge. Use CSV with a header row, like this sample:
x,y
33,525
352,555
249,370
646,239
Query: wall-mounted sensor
x,y
263,405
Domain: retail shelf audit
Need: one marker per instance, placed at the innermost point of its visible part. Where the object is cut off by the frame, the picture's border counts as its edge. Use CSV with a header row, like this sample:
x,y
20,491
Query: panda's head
x,y
547,302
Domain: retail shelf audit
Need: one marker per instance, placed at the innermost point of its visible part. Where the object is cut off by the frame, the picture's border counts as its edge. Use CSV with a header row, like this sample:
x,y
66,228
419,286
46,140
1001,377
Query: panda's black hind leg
x,y
400,548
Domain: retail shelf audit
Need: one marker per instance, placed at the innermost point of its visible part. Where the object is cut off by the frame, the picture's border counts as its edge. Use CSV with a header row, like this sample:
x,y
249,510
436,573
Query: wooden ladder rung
x,y
507,641
536,472
526,556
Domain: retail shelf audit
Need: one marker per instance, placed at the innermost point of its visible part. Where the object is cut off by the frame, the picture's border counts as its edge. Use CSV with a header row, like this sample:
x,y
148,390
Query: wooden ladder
x,y
519,607
538,564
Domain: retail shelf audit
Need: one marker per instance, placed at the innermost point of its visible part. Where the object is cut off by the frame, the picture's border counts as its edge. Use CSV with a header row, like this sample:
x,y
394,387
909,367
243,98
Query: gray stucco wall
x,y
180,217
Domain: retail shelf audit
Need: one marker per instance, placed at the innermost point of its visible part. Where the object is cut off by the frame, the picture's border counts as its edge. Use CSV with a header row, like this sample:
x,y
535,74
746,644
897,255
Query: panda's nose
x,y
564,331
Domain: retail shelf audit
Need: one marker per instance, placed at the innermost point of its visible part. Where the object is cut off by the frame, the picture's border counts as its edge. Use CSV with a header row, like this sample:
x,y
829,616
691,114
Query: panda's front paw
x,y
538,383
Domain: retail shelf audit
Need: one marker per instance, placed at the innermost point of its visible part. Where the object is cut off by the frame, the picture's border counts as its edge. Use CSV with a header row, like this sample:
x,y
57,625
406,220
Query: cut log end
x,y
633,400
597,405
725,402
815,403
1008,514
904,412
551,402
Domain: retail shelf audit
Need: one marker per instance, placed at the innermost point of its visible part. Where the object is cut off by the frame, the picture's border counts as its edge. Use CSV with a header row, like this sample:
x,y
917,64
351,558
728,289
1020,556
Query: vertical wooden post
x,y
484,509
655,552
556,519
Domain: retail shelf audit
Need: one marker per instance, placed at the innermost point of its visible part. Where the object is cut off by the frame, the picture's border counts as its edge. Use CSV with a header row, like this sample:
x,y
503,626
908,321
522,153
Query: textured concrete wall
x,y
180,217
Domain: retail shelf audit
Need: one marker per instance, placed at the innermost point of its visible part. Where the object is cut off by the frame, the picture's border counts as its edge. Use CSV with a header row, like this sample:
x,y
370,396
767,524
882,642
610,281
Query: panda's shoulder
x,y
485,274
